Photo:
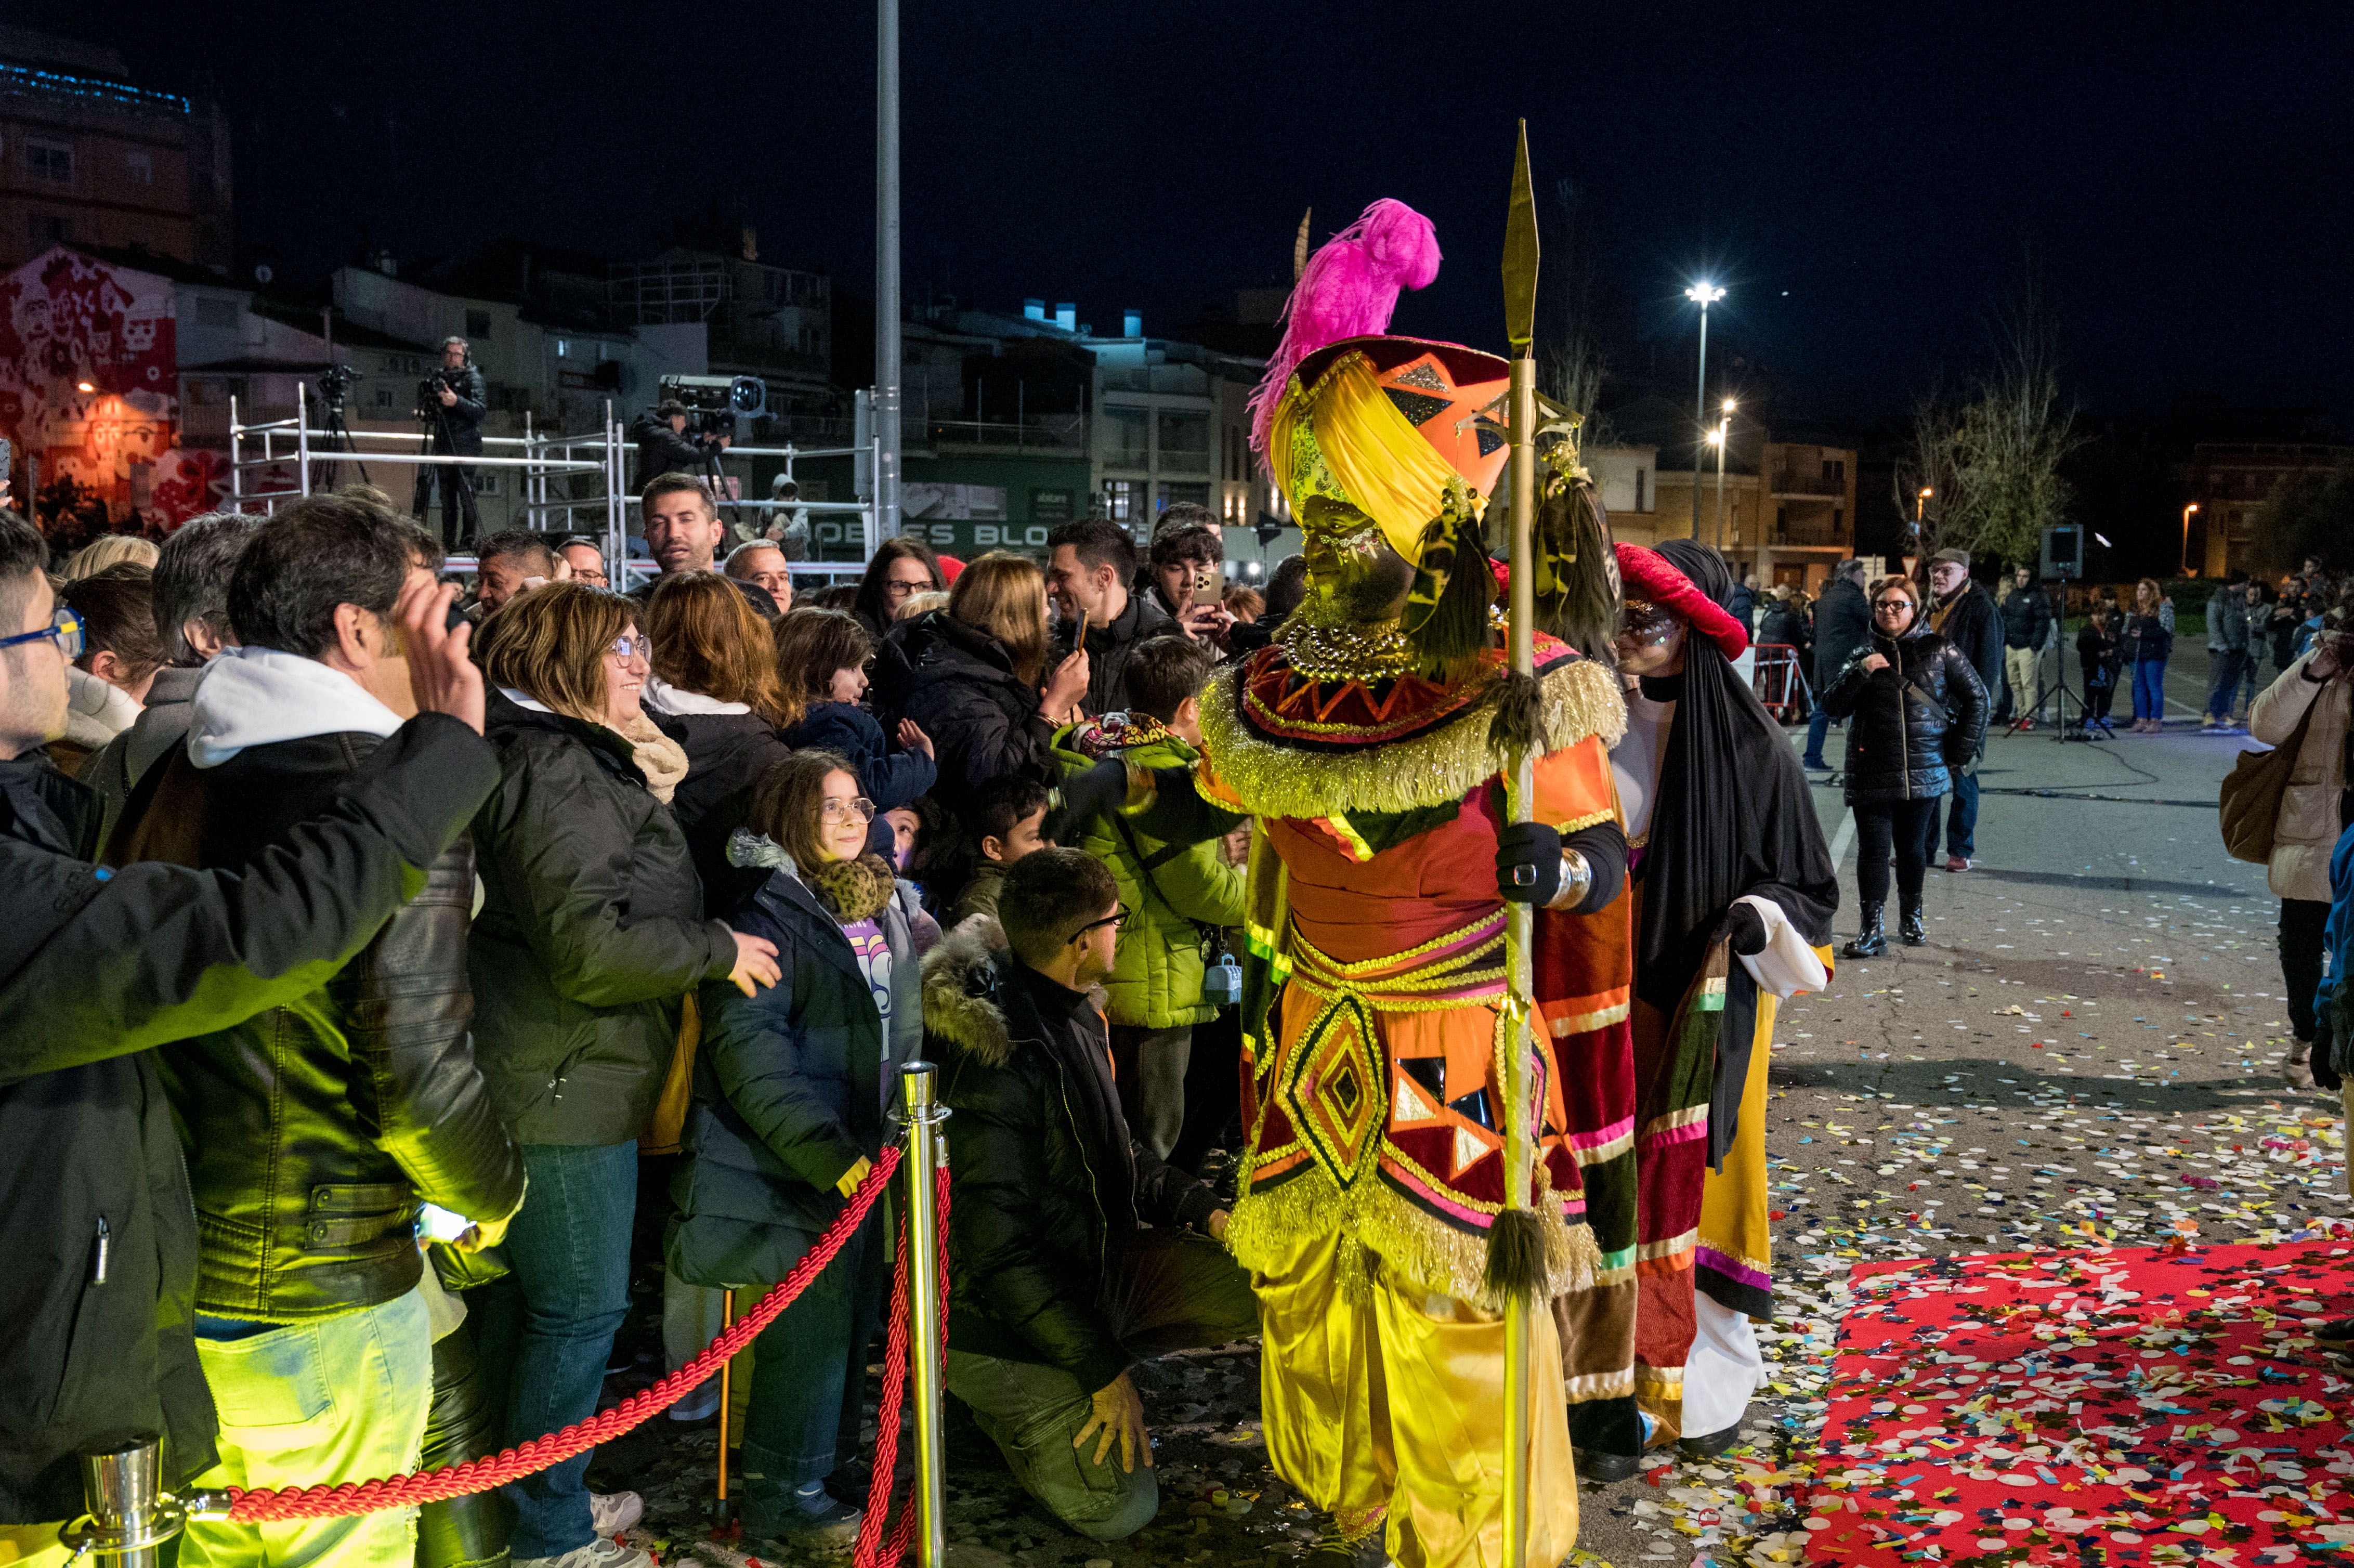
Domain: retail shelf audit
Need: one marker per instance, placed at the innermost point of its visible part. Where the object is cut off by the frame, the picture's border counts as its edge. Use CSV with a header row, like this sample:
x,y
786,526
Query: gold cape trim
x,y
1424,1249
1267,780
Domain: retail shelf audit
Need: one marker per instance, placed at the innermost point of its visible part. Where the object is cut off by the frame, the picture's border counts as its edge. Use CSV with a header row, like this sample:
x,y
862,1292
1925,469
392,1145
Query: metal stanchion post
x,y
927,1154
130,1517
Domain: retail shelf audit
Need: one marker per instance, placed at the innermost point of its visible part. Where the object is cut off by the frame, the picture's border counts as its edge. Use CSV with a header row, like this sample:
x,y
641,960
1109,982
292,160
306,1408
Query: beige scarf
x,y
662,760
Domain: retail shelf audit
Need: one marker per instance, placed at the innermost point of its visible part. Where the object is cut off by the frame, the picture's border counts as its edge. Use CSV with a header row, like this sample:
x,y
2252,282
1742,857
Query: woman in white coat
x,y
2314,811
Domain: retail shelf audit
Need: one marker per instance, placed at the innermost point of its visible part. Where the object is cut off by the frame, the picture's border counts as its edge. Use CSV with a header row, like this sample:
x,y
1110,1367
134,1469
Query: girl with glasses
x,y
1919,715
791,1091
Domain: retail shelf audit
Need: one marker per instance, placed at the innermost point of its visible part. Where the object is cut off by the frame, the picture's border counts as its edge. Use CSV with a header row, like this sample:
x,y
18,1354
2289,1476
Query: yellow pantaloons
x,y
1379,1395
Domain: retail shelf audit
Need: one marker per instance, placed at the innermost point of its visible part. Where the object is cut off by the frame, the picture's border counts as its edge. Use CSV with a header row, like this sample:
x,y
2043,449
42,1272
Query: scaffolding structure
x,y
572,484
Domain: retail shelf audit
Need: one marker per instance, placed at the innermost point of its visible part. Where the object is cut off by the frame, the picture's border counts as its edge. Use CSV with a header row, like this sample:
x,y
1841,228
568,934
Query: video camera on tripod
x,y
335,385
430,390
714,403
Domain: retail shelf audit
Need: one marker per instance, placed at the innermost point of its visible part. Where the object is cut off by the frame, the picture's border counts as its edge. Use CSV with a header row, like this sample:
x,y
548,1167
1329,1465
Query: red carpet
x,y
2130,1406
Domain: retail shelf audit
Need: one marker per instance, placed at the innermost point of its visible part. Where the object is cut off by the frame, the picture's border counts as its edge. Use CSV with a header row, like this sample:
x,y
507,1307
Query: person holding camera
x,y
452,402
666,445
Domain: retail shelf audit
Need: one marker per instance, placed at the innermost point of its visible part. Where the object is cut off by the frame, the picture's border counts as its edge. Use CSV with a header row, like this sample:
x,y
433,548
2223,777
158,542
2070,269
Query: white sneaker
x,y
612,1513
601,1553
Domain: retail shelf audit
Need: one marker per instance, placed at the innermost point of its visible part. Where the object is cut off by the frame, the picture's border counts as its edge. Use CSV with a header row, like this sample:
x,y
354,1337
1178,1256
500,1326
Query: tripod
x,y
716,477
334,426
436,429
2058,688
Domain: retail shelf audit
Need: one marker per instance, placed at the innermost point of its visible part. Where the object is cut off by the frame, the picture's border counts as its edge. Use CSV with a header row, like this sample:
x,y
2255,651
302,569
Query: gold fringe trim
x,y
1375,1218
1598,1385
1581,698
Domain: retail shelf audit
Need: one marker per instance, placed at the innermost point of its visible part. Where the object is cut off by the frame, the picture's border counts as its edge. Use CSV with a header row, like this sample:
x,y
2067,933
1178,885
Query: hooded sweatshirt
x,y
256,696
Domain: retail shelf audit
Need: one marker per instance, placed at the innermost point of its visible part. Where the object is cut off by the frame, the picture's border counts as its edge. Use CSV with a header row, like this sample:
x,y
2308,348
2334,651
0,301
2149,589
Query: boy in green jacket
x,y
1178,898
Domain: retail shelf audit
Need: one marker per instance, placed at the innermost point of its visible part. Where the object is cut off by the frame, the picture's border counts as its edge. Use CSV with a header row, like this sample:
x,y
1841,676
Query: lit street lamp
x,y
2186,536
1703,295
1721,438
1920,506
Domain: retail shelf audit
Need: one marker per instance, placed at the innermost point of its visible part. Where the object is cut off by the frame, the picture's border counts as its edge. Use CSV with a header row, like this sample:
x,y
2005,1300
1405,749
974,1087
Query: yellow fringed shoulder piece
x,y
1580,699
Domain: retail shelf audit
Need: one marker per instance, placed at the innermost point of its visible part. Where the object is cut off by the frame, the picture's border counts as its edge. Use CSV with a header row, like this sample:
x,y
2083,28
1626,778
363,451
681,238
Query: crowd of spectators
x,y
410,976
401,980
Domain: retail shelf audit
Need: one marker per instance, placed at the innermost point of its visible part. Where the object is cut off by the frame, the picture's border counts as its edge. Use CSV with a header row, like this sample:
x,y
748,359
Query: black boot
x,y
1911,928
1869,943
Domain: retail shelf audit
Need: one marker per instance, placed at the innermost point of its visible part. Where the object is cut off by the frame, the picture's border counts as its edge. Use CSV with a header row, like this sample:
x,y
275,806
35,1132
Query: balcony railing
x,y
1040,432
1790,481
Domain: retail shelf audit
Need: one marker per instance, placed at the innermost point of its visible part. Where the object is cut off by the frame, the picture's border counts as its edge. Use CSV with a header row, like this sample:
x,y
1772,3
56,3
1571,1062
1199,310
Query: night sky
x,y
1864,180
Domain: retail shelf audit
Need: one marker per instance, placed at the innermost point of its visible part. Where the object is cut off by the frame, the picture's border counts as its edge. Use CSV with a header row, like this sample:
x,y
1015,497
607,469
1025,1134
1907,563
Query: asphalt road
x,y
2086,1053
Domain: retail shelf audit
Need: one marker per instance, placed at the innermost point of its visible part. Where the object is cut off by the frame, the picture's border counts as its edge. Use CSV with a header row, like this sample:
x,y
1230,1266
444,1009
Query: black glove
x,y
1086,795
1746,930
1528,862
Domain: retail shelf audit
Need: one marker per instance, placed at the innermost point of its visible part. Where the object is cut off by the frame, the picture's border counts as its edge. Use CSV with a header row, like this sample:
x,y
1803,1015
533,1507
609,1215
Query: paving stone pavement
x,y
2086,1054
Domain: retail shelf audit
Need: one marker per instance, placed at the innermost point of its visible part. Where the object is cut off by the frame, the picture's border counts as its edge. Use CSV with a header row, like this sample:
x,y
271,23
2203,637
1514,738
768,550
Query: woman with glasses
x,y
589,941
791,1087
1919,714
901,567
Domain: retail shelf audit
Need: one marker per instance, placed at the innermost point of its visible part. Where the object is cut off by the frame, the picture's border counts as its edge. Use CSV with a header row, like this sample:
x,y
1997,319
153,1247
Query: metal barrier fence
x,y
572,484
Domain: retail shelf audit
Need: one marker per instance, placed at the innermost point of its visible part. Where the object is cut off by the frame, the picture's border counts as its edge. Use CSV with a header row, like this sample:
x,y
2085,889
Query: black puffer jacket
x,y
364,1093
1901,746
957,682
458,427
1048,1182
590,932
725,755
95,971
790,1088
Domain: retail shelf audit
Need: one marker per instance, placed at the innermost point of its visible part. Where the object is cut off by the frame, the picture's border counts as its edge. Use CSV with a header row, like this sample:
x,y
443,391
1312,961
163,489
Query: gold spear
x,y
1521,418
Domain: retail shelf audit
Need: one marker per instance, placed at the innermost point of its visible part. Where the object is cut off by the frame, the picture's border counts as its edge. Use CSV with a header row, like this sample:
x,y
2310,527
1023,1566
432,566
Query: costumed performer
x,y
1733,891
1370,741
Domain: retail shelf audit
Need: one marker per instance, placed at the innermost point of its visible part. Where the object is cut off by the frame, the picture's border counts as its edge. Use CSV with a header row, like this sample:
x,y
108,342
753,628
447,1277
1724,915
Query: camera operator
x,y
452,401
666,446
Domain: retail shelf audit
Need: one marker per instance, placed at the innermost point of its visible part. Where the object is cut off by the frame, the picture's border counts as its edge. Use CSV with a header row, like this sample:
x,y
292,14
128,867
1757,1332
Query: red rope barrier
x,y
480,1474
871,1553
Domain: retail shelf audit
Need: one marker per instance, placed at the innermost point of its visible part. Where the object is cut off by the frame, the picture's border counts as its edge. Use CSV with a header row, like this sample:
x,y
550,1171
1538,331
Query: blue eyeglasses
x,y
65,629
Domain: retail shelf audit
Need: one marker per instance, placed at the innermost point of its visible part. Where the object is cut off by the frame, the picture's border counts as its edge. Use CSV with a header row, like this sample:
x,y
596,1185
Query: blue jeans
x,y
570,1249
2149,689
809,1379
1961,820
1819,729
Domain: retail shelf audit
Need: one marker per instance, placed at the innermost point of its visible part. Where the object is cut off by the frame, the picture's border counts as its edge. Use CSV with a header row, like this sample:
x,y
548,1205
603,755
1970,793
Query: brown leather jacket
x,y
313,1130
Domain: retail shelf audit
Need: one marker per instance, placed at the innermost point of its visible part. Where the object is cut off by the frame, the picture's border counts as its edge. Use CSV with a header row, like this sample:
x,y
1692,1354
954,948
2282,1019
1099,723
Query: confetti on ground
x,y
2145,1405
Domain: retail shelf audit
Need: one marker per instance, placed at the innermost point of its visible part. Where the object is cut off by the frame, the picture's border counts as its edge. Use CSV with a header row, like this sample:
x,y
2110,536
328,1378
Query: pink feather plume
x,y
1349,289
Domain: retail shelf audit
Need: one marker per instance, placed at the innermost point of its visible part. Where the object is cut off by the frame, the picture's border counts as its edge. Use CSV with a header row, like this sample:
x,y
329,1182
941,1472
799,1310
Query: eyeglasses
x,y
628,648
1893,601
862,808
1117,916
65,629
894,589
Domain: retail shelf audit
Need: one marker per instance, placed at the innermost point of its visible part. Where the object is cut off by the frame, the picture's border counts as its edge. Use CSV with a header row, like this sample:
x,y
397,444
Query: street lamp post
x,y
2186,536
888,353
1724,439
1920,506
1703,295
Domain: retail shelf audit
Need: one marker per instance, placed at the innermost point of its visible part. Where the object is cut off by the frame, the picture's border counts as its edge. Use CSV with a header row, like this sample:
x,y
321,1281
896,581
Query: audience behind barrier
x,y
705,812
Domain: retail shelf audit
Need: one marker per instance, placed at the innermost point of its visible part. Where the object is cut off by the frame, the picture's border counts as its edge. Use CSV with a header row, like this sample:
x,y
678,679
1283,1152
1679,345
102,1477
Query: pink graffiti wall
x,y
88,382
